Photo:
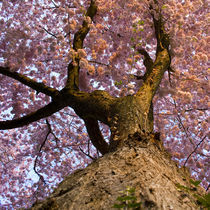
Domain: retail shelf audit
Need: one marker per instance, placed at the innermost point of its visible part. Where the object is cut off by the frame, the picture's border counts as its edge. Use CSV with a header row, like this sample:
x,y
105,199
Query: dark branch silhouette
x,y
148,62
40,149
194,150
39,87
45,111
95,135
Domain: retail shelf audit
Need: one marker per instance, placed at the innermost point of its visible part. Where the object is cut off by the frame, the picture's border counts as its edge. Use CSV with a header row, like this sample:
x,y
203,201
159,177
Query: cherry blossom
x,y
109,43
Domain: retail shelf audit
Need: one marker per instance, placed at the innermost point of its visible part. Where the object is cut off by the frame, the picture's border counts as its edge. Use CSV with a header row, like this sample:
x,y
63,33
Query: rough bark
x,y
129,115
143,165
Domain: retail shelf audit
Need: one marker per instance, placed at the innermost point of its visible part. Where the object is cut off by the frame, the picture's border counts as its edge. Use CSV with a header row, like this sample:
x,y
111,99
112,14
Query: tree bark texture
x,y
143,166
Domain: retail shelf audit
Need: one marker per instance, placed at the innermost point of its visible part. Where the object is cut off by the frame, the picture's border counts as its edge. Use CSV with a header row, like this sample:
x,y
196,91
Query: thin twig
x,y
42,145
207,188
87,154
180,121
69,33
194,150
48,32
54,4
88,146
189,110
91,61
49,7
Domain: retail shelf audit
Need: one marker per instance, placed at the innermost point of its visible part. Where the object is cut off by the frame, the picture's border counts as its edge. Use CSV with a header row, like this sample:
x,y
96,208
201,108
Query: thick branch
x,y
137,77
152,82
161,64
95,135
97,105
73,67
148,62
39,87
162,37
82,32
45,111
87,105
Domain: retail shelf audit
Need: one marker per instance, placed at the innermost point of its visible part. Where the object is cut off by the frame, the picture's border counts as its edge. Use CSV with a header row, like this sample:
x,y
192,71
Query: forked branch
x,y
161,63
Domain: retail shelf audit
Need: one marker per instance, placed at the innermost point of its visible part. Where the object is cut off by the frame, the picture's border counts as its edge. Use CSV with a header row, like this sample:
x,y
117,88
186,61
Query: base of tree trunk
x,y
146,167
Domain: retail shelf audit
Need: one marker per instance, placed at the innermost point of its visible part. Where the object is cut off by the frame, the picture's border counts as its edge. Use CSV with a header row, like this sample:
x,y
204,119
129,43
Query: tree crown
x,y
48,47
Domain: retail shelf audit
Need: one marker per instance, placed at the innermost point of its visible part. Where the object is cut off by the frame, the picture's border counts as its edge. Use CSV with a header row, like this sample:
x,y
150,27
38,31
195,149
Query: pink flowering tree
x,y
80,77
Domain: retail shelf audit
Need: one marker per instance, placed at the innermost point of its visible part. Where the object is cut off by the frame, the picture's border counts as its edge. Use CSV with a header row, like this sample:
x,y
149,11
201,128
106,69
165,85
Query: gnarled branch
x,y
39,87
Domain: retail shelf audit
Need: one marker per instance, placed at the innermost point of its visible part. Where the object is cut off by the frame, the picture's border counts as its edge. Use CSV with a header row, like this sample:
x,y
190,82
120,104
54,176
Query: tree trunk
x,y
147,168
130,116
